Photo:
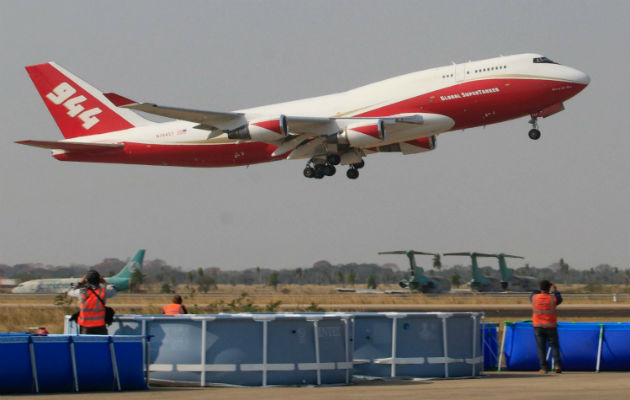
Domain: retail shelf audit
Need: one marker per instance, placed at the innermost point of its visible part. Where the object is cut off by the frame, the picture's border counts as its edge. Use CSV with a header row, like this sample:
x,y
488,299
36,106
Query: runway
x,y
504,385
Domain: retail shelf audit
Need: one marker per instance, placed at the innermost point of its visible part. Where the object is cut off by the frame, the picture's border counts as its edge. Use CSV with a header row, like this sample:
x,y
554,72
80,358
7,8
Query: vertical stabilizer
x,y
477,274
121,280
78,108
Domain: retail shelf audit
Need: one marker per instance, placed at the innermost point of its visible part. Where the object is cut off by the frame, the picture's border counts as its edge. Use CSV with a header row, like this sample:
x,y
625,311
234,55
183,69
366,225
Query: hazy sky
x,y
486,189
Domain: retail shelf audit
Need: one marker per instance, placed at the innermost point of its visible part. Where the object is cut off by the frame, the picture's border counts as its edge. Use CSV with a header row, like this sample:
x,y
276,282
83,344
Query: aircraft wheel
x,y
309,172
318,174
359,165
321,168
333,159
329,170
534,134
352,173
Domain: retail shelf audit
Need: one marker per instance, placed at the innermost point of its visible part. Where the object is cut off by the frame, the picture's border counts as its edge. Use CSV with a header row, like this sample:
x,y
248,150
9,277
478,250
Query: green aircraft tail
x,y
121,280
506,273
477,274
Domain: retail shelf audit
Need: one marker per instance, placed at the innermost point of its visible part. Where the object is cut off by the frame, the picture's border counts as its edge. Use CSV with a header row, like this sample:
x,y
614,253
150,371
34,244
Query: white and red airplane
x,y
403,114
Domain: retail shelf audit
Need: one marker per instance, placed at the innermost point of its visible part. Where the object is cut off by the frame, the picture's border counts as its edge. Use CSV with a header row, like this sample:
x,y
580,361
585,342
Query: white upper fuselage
x,y
375,95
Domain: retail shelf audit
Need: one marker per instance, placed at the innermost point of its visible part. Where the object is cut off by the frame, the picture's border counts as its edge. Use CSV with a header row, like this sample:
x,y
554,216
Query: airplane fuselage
x,y
454,97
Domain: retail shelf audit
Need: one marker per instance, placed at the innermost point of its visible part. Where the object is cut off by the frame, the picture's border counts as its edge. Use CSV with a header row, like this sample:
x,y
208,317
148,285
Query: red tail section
x,y
78,108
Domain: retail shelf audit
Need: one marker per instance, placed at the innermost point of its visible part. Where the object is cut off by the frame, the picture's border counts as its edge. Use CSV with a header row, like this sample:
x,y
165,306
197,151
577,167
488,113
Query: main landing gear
x,y
534,133
319,168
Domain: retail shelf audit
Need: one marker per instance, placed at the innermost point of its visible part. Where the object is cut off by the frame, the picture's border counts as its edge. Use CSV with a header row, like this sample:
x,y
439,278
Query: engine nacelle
x,y
264,130
363,134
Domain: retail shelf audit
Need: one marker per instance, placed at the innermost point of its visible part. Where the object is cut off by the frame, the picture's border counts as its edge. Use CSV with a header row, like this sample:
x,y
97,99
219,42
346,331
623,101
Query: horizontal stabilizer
x,y
118,100
408,251
71,146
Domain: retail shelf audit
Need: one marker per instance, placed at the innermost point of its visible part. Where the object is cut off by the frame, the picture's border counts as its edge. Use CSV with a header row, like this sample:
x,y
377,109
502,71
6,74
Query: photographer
x,y
544,321
92,291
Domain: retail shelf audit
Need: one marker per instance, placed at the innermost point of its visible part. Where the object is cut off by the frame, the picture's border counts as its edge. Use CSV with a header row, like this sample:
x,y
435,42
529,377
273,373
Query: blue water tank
x,y
579,346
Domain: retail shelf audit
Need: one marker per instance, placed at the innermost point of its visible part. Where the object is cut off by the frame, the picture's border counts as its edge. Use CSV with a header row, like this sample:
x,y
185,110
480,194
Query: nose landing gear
x,y
534,133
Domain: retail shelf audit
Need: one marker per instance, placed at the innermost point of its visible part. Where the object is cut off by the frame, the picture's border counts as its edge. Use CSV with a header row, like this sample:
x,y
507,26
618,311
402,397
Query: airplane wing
x,y
307,137
71,146
212,120
206,119
209,120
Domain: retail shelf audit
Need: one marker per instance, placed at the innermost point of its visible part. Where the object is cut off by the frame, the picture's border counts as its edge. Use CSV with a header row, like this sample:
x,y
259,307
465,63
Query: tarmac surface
x,y
499,385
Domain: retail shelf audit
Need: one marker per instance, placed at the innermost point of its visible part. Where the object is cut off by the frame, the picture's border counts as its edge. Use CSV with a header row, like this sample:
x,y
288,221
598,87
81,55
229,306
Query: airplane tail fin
x,y
121,280
78,108
477,274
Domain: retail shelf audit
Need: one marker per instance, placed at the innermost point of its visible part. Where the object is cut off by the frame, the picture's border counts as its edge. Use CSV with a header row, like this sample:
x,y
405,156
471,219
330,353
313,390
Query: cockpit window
x,y
544,60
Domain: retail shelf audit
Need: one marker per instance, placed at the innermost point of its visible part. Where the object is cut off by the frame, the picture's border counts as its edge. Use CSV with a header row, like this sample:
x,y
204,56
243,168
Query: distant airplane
x,y
479,282
403,114
418,281
512,282
120,281
509,281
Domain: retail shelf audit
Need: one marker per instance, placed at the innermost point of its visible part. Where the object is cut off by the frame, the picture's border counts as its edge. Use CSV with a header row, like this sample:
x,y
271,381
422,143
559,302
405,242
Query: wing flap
x,y
71,146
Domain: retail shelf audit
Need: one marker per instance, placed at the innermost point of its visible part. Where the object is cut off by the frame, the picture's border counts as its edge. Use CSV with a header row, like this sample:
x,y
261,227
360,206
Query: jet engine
x,y
264,130
363,134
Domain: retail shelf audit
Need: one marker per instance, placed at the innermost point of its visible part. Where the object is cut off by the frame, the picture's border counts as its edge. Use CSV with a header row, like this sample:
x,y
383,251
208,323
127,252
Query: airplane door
x,y
460,72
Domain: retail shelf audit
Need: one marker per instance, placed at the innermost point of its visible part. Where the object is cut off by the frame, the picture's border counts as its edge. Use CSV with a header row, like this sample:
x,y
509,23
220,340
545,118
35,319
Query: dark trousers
x,y
96,330
544,335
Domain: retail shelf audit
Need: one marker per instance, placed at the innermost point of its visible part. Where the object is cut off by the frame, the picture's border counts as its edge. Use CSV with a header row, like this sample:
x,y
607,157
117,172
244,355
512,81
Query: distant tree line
x,y
158,273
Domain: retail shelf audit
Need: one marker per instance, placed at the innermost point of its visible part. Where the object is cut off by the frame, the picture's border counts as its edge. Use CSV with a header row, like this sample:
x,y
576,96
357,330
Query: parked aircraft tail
x,y
121,280
78,108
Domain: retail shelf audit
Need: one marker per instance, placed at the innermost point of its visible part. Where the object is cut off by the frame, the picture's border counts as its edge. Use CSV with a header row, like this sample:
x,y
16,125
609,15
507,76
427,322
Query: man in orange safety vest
x,y
92,291
544,321
176,307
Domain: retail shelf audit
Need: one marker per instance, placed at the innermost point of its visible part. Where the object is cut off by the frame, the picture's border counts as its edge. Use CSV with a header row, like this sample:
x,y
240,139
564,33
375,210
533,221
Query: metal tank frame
x,y
327,359
416,358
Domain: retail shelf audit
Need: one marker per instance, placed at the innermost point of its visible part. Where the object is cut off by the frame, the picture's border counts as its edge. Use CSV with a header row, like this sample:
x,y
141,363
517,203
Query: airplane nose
x,y
579,77
583,79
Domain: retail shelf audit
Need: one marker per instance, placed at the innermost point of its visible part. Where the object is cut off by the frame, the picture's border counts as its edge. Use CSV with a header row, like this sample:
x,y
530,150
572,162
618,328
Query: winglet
x,y
118,100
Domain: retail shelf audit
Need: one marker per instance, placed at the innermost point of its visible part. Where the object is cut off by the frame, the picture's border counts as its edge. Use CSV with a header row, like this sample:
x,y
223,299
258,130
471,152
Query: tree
x,y
205,282
189,278
273,280
564,267
437,263
339,276
456,280
166,288
351,277
298,274
161,275
137,277
371,282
